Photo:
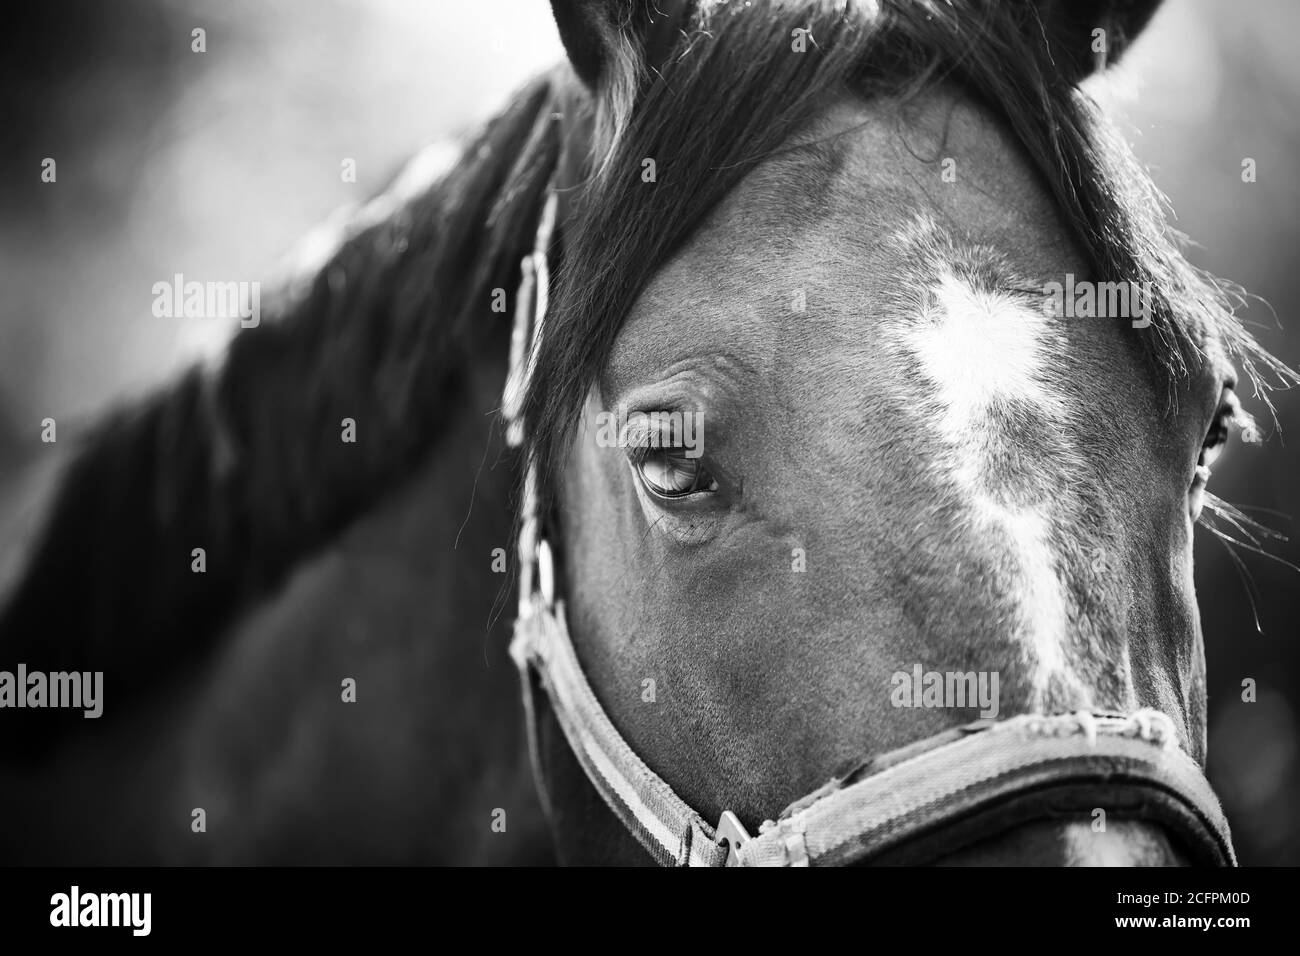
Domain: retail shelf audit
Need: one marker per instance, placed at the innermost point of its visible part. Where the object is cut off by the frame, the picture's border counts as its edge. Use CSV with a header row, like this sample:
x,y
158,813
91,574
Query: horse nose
x,y
1073,843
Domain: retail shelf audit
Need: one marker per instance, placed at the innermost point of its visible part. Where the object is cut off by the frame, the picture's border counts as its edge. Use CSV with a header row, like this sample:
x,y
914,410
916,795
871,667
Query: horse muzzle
x,y
920,804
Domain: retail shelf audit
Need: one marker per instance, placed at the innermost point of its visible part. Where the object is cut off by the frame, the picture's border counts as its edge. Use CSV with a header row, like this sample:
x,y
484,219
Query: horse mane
x,y
245,459
731,92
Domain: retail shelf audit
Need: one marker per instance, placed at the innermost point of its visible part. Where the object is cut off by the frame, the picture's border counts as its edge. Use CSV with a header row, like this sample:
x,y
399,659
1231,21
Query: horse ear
x,y
594,32
1085,36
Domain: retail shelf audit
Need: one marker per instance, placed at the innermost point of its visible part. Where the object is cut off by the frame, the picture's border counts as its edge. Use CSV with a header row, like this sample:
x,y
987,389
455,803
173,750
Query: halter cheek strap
x,y
911,805
663,823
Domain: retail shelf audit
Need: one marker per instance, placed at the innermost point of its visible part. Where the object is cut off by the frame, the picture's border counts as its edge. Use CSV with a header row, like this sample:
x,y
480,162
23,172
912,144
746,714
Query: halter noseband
x,y
908,806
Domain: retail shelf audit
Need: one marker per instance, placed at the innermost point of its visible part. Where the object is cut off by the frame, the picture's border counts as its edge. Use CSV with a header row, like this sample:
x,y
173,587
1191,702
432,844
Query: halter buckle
x,y
732,832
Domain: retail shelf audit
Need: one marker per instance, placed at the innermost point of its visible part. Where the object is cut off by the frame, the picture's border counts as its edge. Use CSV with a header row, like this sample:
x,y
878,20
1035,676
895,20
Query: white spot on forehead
x,y
979,350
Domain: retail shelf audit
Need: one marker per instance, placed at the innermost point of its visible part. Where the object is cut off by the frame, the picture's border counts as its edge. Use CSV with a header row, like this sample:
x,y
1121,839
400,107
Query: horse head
x,y
834,455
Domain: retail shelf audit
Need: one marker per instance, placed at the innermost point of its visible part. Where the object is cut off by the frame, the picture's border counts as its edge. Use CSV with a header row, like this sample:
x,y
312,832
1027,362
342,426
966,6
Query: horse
x,y
918,589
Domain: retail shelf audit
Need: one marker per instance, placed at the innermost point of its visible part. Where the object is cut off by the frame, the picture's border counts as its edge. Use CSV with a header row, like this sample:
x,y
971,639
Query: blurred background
x,y
218,164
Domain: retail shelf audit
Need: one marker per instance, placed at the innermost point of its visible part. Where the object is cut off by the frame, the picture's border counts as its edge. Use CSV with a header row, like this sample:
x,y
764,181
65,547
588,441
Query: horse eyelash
x,y
640,452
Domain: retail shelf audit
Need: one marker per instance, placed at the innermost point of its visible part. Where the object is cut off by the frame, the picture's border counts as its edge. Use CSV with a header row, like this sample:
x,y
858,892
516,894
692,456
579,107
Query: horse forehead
x,y
832,227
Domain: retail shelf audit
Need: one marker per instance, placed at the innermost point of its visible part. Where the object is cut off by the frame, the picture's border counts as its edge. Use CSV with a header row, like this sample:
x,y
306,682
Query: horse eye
x,y
669,473
1230,413
1216,437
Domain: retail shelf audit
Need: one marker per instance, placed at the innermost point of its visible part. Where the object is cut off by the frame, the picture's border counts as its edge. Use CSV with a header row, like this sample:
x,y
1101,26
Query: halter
x,y
911,805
